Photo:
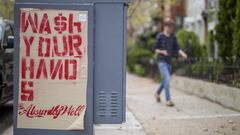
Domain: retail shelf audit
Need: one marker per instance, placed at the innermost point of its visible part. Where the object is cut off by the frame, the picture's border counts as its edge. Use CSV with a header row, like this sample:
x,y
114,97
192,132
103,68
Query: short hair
x,y
168,22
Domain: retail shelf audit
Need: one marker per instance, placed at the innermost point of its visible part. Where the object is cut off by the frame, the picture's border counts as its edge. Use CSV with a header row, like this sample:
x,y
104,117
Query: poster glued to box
x,y
53,69
69,65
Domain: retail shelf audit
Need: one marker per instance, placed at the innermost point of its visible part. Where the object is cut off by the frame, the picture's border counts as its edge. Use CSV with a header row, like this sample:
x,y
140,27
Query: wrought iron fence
x,y
221,70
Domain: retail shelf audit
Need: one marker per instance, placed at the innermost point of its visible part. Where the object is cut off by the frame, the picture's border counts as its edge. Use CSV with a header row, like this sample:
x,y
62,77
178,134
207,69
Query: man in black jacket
x,y
166,48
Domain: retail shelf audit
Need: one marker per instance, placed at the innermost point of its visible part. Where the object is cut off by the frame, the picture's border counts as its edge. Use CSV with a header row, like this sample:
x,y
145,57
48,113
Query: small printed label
x,y
82,17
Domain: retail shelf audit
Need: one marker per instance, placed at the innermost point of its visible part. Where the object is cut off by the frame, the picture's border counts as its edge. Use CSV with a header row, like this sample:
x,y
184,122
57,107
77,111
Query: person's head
x,y
169,25
159,25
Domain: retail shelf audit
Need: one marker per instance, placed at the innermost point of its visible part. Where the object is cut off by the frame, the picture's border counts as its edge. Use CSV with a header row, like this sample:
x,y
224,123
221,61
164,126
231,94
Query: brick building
x,y
175,10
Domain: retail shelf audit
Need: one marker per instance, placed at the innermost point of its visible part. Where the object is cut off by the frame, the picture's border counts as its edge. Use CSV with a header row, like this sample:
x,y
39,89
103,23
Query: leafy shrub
x,y
137,55
236,32
204,68
140,53
190,43
139,70
225,26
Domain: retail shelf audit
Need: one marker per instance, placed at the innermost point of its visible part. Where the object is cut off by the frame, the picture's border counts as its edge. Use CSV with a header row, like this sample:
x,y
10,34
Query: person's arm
x,y
163,52
158,47
183,54
178,50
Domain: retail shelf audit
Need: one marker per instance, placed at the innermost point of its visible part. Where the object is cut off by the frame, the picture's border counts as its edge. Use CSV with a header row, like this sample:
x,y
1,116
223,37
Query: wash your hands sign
x,y
53,67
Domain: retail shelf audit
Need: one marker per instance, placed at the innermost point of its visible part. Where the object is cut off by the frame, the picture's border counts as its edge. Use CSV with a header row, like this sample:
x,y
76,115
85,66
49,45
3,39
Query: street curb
x,y
226,96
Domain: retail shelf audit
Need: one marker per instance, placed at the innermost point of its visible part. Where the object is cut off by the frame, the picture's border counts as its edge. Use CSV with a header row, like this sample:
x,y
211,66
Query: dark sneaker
x,y
157,98
169,103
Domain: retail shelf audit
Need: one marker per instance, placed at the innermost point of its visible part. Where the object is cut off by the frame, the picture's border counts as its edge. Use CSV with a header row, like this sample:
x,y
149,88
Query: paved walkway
x,y
190,116
131,127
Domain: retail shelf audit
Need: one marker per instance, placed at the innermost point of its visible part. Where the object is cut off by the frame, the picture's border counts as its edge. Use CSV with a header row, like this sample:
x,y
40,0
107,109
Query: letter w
x,y
25,21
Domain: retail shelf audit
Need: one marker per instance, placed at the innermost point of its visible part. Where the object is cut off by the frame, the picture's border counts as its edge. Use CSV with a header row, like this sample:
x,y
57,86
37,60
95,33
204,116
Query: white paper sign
x,y
53,69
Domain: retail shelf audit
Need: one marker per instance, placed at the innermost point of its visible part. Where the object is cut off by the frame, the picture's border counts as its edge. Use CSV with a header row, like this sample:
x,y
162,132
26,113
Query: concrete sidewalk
x,y
131,127
190,116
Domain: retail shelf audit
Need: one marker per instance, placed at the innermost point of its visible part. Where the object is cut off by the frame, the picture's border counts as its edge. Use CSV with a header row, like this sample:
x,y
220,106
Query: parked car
x,y
6,61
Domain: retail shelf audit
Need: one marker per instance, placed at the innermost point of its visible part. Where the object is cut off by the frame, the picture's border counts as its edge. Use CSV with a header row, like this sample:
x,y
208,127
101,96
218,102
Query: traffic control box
x,y
69,65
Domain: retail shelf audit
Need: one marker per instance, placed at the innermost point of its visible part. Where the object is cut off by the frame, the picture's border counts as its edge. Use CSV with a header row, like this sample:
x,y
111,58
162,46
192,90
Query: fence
x,y
221,70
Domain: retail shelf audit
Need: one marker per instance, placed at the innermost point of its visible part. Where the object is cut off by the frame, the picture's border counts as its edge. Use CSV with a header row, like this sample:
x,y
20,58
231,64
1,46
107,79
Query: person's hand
x,y
183,54
163,52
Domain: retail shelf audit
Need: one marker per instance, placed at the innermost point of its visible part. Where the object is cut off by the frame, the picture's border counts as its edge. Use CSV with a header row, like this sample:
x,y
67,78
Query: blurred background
x,y
206,86
208,30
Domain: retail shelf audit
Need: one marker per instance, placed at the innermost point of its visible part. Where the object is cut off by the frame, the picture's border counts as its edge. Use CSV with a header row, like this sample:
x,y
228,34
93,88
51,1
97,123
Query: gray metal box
x,y
106,93
109,63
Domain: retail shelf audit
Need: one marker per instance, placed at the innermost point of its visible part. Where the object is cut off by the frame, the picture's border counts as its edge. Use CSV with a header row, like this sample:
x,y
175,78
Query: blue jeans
x,y
165,83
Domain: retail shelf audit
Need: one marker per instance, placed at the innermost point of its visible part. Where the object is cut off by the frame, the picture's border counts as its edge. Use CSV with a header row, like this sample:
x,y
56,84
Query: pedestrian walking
x,y
166,48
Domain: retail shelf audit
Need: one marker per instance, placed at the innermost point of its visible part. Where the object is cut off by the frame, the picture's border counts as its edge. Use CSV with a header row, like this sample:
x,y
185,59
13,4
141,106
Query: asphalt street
x,y
6,113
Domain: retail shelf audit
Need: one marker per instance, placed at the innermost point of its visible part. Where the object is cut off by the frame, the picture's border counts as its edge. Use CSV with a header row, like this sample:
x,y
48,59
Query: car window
x,y
8,32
